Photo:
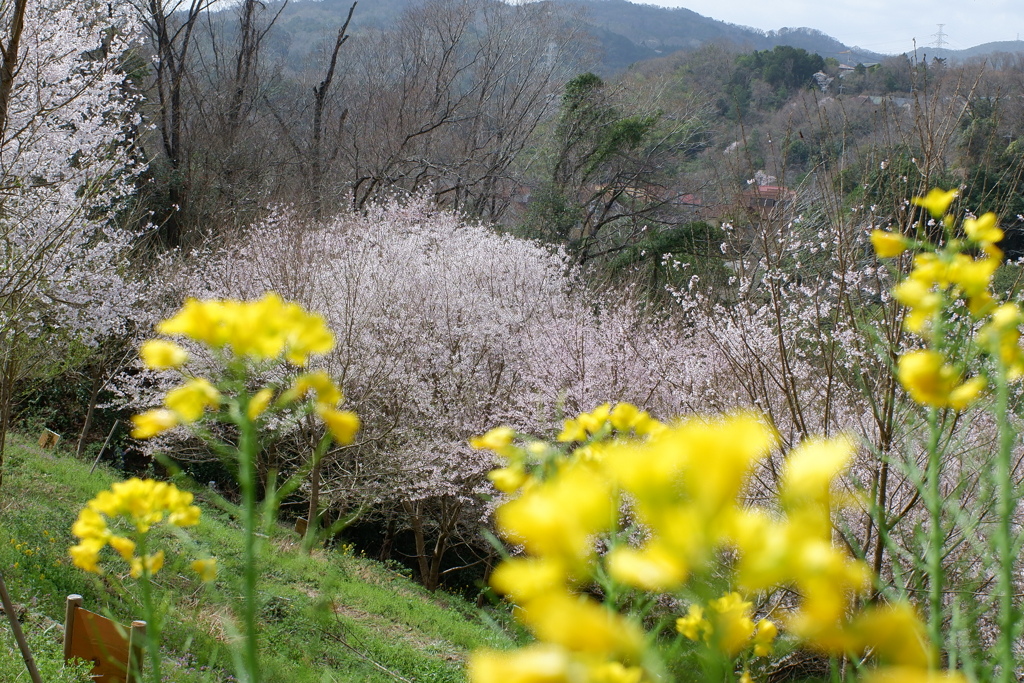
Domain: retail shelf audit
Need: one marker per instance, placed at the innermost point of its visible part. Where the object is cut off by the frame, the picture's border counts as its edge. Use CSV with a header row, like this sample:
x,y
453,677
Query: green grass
x,y
330,616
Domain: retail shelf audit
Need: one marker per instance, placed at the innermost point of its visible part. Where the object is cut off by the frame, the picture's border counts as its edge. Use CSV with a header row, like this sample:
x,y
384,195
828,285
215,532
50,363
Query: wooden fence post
x,y
136,640
74,601
104,447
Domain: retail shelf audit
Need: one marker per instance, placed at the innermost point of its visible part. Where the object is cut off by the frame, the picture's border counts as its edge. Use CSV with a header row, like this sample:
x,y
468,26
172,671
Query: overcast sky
x,y
886,26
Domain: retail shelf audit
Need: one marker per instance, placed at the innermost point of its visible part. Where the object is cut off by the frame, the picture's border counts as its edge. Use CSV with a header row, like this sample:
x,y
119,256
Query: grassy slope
x,y
325,617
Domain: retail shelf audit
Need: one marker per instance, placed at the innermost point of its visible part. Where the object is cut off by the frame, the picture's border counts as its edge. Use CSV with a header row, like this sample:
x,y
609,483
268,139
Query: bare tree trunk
x,y
430,563
313,511
440,548
9,60
389,539
319,102
94,392
172,44
415,512
10,368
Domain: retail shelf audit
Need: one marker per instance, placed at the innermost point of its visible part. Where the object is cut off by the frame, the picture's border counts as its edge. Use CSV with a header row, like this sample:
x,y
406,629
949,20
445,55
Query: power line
x,y
940,38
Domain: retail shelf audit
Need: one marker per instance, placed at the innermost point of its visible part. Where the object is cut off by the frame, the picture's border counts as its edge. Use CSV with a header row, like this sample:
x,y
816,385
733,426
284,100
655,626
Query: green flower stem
x,y
247,482
150,614
1005,508
933,502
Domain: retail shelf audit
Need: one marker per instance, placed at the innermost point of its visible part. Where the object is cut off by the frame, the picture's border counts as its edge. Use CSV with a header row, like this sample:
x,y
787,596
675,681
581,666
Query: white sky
x,y
885,26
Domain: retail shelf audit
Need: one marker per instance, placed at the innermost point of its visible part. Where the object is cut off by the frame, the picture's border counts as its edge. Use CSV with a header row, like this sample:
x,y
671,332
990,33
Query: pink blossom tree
x,y
67,167
444,329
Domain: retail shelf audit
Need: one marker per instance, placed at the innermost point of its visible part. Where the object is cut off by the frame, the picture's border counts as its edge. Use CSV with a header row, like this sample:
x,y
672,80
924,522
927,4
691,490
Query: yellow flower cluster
x,y
936,202
143,503
260,330
592,427
682,485
931,381
728,626
265,330
940,277
183,405
624,417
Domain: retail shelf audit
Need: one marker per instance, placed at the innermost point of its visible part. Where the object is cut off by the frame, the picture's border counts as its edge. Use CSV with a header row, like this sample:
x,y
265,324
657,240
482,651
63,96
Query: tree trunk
x,y
9,61
6,400
94,393
415,512
389,539
313,512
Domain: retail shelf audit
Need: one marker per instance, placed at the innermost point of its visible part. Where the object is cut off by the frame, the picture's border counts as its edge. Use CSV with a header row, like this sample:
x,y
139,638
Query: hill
x,y
625,32
665,30
329,616
977,52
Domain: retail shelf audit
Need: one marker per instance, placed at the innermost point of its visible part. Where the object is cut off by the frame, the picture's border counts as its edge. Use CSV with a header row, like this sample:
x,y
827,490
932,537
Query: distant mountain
x,y
978,51
664,30
627,32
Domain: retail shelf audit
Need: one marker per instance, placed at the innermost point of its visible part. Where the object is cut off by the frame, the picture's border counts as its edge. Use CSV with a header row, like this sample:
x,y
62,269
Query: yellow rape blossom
x,y
623,416
726,624
924,304
537,519
936,201
594,420
90,524
655,567
342,424
1001,338
764,636
142,503
810,470
681,487
259,402
160,354
262,330
972,276
541,663
767,545
320,383
508,479
580,624
930,269
192,399
895,635
931,381
700,462
888,244
265,330
572,430
86,555
967,393
693,626
125,547
615,672
149,564
524,578
731,625
207,569
909,674
984,230
153,422
495,440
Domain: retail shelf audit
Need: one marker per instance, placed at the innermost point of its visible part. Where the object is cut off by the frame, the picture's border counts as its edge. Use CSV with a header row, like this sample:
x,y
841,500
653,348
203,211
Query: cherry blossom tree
x,y
66,171
444,329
